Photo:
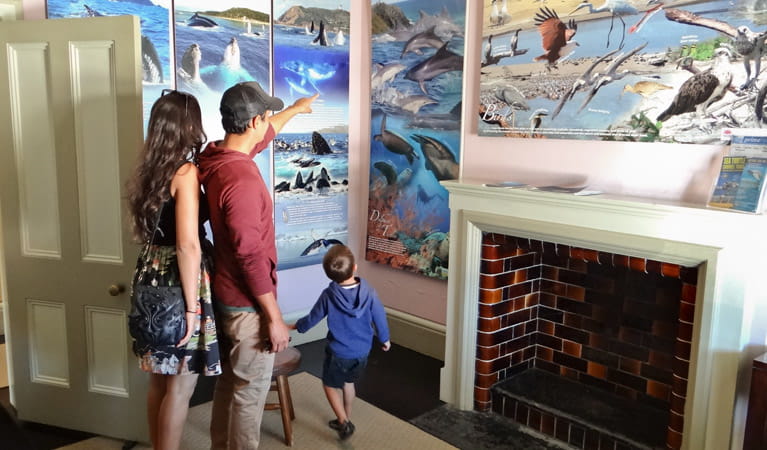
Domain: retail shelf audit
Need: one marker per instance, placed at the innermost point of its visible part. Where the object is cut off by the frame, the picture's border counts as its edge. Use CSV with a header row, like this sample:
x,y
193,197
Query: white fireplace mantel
x,y
730,323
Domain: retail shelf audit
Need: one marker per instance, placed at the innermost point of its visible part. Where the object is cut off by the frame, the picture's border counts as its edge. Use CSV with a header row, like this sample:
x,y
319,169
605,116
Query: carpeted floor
x,y
375,429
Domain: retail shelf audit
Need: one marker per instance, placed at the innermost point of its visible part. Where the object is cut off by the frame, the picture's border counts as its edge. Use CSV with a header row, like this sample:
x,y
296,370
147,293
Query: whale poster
x,y
311,154
156,45
416,89
621,70
220,44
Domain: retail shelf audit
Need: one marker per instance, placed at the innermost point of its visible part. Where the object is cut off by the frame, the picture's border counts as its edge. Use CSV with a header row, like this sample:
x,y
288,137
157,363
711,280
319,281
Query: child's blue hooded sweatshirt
x,y
352,313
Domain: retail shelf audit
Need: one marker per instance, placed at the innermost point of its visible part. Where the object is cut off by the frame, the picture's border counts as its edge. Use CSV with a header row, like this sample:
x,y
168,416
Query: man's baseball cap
x,y
246,100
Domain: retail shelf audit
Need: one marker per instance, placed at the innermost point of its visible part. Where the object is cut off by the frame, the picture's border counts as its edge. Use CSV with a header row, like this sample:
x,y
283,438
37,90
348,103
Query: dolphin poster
x,y
157,73
416,89
622,70
219,44
311,154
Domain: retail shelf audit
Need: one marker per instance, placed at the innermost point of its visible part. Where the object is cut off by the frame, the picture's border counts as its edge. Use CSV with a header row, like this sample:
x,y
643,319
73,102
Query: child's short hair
x,y
338,263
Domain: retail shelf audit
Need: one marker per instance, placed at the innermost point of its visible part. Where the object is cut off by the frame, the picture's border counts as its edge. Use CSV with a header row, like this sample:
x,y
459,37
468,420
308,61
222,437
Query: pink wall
x,y
662,171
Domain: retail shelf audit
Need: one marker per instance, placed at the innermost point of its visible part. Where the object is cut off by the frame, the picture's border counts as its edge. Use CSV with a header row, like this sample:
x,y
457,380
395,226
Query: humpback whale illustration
x,y
297,88
322,36
312,74
150,62
320,145
387,170
318,245
200,21
90,12
229,71
189,72
442,61
395,143
299,181
439,159
249,29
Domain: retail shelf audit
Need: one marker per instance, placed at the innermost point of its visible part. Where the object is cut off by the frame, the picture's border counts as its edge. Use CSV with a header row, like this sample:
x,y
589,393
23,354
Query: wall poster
x,y
416,89
622,70
311,154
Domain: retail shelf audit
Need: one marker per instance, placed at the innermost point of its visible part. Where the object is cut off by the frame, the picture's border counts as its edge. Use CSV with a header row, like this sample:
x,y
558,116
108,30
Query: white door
x,y
71,126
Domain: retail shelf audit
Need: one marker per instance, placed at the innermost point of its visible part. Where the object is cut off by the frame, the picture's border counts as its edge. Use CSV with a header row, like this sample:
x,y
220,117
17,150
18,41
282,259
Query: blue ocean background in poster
x,y
311,187
407,203
218,72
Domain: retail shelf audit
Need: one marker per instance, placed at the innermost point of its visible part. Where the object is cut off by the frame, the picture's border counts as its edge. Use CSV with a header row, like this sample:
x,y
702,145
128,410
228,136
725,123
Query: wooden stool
x,y
285,362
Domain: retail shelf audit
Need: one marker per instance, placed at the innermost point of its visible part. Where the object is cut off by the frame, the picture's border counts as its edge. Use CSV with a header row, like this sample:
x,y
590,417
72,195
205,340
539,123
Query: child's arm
x,y
318,312
292,326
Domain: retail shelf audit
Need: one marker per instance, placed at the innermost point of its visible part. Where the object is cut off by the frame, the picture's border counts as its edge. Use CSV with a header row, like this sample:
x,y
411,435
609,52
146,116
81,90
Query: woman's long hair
x,y
174,135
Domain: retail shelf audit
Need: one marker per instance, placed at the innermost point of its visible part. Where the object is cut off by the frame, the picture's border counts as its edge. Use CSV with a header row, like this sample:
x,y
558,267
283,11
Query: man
x,y
245,257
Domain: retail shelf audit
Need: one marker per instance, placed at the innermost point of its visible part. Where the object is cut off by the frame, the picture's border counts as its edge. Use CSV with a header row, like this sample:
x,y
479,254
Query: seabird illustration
x,y
750,45
318,245
536,118
645,88
555,35
611,74
700,90
585,80
495,14
512,97
616,8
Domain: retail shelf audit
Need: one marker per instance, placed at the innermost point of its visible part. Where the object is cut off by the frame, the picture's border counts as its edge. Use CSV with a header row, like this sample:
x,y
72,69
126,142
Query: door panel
x,y
73,124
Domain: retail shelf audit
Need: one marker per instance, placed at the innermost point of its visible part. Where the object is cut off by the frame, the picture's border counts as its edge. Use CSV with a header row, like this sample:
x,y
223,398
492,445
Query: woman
x,y
165,202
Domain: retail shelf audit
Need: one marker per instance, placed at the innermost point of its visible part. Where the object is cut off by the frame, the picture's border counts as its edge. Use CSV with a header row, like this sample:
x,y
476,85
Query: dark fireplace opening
x,y
589,347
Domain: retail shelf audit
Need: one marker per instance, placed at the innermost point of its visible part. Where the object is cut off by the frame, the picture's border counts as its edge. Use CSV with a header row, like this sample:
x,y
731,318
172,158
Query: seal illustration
x,y
395,143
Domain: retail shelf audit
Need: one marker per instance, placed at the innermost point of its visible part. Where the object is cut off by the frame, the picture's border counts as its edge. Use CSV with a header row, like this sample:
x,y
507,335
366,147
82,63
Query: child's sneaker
x,y
335,424
346,430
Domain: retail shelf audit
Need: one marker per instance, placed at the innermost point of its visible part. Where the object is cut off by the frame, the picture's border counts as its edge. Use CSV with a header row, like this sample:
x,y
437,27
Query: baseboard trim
x,y
417,334
407,330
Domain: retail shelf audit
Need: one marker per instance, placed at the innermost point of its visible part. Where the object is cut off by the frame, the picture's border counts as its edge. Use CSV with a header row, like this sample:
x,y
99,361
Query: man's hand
x,y
279,336
304,104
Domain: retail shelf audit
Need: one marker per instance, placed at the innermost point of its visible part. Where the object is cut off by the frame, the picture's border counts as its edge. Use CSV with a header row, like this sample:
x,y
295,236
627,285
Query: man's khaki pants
x,y
241,389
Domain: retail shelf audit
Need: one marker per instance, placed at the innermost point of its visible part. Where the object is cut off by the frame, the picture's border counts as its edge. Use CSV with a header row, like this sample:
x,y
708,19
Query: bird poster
x,y
311,154
416,90
622,70
156,44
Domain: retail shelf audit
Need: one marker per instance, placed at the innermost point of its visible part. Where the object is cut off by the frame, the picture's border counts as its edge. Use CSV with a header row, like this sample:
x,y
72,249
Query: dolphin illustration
x,y
438,121
387,170
150,61
442,61
395,143
322,37
320,145
200,21
421,40
385,73
439,159
414,103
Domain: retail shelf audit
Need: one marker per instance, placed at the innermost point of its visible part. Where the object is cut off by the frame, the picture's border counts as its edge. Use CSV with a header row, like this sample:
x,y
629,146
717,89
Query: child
x,y
352,308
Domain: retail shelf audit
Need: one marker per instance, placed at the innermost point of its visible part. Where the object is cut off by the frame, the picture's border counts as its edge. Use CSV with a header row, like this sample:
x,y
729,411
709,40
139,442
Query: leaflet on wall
x,y
624,70
219,44
743,173
416,89
156,46
311,154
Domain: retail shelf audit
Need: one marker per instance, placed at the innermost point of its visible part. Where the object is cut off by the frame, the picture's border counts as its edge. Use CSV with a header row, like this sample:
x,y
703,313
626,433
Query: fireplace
x,y
709,248
618,328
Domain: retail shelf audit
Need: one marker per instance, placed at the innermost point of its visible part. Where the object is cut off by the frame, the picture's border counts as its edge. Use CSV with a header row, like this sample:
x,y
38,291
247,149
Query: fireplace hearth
x,y
719,328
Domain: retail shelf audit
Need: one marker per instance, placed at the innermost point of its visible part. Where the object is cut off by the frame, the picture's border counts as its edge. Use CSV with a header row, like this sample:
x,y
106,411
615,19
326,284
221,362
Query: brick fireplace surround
x,y
612,322
709,275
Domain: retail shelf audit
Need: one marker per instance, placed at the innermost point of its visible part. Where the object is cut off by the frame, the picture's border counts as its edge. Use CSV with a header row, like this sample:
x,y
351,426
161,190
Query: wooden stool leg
x,y
285,408
290,401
